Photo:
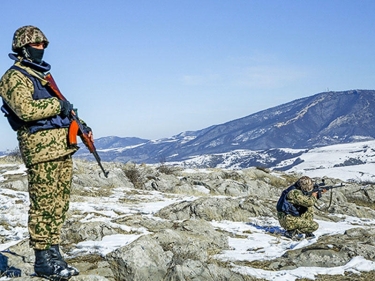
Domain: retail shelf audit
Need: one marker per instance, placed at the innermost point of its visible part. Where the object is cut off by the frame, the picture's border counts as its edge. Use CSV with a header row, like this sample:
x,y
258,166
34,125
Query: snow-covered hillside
x,y
348,162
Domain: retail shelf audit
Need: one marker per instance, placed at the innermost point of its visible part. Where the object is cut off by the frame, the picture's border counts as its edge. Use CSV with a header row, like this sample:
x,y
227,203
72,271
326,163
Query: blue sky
x,y
153,69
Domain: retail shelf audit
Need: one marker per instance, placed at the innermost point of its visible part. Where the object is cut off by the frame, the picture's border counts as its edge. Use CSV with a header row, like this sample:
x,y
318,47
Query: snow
x,y
259,243
108,244
355,265
255,239
300,114
328,161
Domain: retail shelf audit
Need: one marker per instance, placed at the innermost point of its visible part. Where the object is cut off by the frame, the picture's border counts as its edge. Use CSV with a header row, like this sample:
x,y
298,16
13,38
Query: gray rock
x,y
216,208
192,239
77,231
178,242
194,270
142,260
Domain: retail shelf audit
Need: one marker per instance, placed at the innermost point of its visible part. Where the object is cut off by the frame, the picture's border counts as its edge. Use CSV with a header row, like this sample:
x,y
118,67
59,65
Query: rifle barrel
x,y
96,155
324,187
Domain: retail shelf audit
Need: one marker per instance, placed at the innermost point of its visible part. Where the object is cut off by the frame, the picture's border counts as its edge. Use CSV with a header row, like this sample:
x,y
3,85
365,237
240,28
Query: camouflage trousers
x,y
49,192
304,223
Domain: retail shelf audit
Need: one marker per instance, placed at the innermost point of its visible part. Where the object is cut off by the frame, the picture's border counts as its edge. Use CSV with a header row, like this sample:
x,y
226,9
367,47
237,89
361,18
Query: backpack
x,y
284,206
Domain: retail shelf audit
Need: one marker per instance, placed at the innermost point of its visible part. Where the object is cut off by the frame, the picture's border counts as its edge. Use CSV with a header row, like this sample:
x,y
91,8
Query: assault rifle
x,y
76,127
322,187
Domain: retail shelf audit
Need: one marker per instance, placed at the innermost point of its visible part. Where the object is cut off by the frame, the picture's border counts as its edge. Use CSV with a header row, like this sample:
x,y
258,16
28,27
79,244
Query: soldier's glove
x,y
86,131
66,108
86,128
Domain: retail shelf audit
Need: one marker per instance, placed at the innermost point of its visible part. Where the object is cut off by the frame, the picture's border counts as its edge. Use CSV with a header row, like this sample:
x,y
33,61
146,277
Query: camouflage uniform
x,y
49,191
303,223
46,153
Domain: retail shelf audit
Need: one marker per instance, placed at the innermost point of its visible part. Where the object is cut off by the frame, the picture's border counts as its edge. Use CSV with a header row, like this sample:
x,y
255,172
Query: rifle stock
x,y
76,127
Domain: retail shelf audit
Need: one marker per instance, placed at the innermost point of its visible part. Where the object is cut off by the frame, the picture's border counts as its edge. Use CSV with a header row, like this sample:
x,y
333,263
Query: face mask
x,y
36,55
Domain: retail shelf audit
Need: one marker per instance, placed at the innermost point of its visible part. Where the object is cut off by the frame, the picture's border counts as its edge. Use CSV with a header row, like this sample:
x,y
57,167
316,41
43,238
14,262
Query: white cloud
x,y
269,76
260,71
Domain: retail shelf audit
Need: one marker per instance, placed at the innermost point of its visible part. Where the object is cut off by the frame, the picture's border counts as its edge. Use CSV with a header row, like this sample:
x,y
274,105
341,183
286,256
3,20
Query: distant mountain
x,y
116,142
348,161
319,120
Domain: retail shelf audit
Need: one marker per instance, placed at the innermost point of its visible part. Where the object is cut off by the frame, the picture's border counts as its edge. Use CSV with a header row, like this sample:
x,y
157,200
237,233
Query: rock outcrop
x,y
160,223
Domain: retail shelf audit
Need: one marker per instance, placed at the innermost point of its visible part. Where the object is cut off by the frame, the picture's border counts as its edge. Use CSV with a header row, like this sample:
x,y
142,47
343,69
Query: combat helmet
x,y
26,35
305,184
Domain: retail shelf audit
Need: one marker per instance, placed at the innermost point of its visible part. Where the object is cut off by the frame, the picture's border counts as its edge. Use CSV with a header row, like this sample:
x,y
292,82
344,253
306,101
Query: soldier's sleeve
x,y
297,197
17,90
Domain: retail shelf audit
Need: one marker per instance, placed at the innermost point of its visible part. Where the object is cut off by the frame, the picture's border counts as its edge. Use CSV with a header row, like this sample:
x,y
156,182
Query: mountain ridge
x,y
322,119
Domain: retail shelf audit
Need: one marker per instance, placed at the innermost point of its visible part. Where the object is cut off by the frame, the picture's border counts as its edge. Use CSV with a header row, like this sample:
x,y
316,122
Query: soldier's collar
x,y
43,67
33,72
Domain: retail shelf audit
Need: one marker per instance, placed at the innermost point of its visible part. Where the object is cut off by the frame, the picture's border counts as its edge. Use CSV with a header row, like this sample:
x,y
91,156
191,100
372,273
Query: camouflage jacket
x,y
17,91
303,202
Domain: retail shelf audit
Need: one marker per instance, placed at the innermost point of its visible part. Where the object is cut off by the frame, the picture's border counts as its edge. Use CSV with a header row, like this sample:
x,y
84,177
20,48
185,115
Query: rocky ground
x,y
169,214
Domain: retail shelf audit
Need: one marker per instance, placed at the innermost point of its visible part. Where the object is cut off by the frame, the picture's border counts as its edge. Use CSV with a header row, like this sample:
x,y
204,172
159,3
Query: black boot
x,y
310,235
58,259
46,267
293,234
290,233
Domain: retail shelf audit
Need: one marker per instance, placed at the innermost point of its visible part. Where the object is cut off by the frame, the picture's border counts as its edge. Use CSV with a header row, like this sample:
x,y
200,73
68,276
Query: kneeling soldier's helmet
x,y
305,184
26,35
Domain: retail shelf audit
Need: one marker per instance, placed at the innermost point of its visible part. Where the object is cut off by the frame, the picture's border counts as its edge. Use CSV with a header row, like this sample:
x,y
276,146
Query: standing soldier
x,y
41,122
295,209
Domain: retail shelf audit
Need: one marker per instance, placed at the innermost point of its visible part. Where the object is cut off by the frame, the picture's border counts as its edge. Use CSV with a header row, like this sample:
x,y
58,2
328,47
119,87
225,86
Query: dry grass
x,y
135,175
80,166
169,170
232,175
13,157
